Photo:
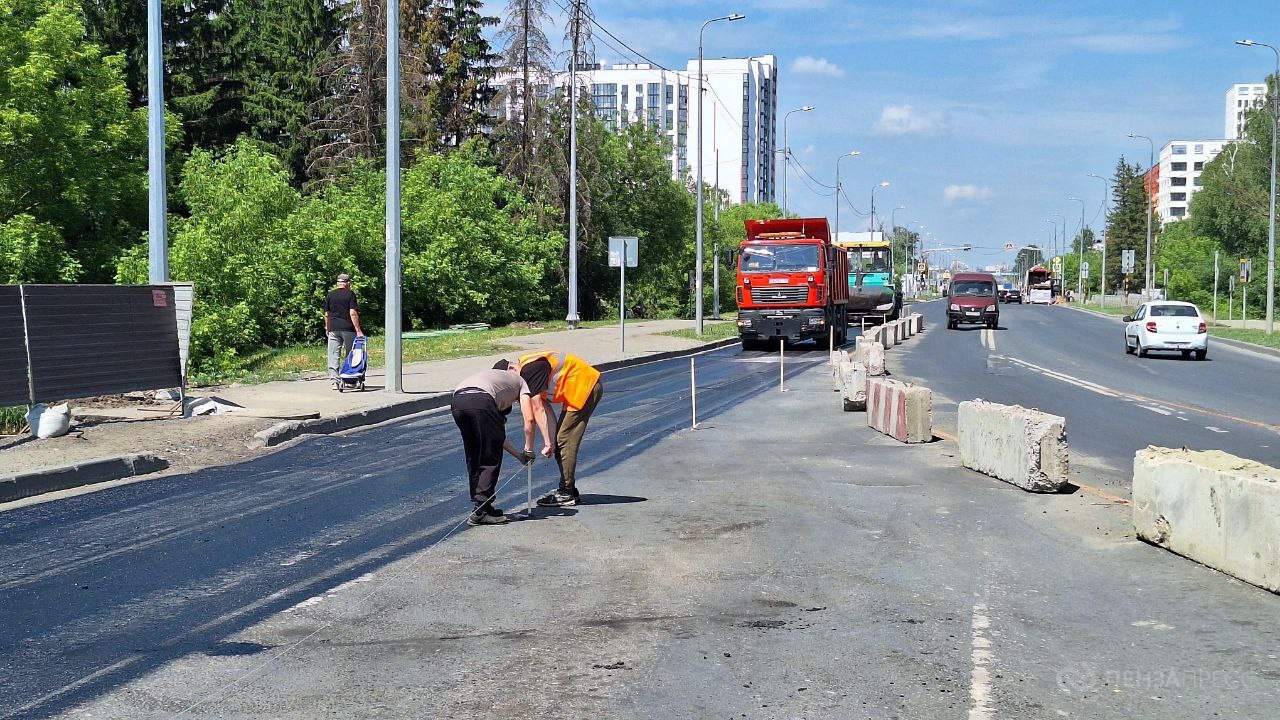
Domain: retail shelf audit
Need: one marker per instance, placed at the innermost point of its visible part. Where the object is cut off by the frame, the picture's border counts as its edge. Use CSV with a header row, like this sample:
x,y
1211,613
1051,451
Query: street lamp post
x,y
1147,278
697,300
884,183
1102,277
851,153
1271,213
786,153
1080,267
893,214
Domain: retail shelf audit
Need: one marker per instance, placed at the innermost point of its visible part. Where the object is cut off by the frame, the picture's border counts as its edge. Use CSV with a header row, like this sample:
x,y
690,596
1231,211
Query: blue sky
x,y
984,115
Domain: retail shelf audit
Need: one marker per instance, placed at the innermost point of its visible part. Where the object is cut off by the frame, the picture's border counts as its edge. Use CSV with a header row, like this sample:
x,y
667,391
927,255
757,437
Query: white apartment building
x,y
739,110
1240,99
1180,166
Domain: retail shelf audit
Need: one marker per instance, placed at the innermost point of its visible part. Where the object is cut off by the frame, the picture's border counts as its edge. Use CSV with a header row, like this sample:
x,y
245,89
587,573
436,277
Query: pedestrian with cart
x,y
560,378
480,406
341,325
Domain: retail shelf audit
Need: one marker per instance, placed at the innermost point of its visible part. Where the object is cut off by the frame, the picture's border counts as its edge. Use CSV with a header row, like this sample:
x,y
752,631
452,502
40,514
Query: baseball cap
x,y
344,278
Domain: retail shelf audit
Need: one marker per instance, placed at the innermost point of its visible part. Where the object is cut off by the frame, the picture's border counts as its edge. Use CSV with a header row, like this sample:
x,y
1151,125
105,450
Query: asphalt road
x,y
783,561
100,588
1073,364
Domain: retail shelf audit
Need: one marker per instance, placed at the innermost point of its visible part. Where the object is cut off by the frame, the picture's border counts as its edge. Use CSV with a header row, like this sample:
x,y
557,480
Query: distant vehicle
x,y
973,299
1167,325
1010,293
793,283
1037,285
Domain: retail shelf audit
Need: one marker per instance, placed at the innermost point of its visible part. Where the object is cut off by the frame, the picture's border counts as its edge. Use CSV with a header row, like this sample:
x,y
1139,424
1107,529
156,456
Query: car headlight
x,y
955,307
816,321
991,308
744,323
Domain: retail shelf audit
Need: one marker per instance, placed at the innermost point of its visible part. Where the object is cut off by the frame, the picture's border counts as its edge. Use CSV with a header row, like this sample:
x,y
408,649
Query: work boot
x,y
486,515
559,498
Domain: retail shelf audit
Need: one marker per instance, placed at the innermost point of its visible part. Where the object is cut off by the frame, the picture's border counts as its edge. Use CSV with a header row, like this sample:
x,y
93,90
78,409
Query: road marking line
x,y
1104,495
1133,397
946,435
1162,411
1214,429
981,656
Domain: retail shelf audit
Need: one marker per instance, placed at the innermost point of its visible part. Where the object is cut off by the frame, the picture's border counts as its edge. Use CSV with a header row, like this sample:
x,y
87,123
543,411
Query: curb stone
x,y
16,487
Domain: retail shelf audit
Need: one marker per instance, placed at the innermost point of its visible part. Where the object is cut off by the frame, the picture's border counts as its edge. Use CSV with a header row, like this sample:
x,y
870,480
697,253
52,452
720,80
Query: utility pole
x,y
157,209
576,30
394,372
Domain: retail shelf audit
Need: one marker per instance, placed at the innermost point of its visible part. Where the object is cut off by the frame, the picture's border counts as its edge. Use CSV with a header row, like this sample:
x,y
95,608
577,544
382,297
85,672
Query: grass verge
x,y
1254,337
712,330
12,419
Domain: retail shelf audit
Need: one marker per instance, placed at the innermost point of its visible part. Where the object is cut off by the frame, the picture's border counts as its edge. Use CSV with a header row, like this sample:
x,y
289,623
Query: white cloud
x,y
905,120
805,65
965,193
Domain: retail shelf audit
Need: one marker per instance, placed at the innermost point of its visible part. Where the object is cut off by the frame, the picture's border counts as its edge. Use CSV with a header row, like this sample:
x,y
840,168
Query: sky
x,y
983,115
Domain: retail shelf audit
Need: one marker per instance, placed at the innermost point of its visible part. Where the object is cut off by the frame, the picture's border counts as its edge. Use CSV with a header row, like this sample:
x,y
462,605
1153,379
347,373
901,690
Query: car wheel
x,y
1142,352
1202,354
1128,349
1186,354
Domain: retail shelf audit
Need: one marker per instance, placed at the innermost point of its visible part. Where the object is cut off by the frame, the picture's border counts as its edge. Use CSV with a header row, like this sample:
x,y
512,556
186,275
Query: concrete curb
x,y
16,487
286,431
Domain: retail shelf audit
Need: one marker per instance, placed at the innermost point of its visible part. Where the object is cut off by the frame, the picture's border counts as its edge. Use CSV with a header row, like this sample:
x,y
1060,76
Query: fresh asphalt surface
x,y
99,588
783,562
1073,364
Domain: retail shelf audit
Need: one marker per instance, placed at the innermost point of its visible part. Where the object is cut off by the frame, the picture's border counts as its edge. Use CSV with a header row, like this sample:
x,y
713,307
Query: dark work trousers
x,y
483,431
573,424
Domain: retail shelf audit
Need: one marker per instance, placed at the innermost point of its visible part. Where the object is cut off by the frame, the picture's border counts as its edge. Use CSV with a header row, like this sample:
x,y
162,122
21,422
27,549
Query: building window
x,y
1177,197
653,95
1178,167
1199,182
1178,181
1199,166
1177,212
670,118
1179,150
1199,150
671,97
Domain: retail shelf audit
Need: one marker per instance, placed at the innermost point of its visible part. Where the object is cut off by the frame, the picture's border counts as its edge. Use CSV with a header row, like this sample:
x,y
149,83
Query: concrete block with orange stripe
x,y
1018,445
899,410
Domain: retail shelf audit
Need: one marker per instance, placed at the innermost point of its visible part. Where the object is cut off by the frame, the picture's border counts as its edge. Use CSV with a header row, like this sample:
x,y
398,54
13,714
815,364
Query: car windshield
x,y
1174,311
779,258
972,287
870,261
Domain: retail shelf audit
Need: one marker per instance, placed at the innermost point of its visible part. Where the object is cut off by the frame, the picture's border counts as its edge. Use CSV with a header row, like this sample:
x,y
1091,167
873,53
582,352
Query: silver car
x,y
1167,325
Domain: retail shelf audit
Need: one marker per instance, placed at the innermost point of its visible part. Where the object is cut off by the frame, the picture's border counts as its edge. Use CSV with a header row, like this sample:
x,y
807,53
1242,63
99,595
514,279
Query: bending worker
x,y
556,377
480,406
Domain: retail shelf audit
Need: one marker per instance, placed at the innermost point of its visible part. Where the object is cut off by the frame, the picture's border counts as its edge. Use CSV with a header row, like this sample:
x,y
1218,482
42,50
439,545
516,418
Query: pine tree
x,y
526,59
458,70
1127,222
349,124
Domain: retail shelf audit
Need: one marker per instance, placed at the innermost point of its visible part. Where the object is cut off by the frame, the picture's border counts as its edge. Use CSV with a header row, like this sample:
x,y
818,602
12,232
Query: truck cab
x,y
791,283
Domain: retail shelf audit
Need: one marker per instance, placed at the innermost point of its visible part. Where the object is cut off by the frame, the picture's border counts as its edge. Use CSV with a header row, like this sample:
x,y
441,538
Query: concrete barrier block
x,y
873,358
1022,446
901,411
918,319
1217,509
894,331
854,386
837,379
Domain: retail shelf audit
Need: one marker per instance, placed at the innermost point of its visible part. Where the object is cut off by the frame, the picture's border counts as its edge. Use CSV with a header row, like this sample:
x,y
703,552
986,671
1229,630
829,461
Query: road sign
x,y
615,251
1084,270
1127,261
920,267
1057,266
1246,270
1008,247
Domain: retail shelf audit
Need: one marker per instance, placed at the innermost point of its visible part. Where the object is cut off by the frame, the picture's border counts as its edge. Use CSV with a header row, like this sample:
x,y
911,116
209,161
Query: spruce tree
x,y
526,62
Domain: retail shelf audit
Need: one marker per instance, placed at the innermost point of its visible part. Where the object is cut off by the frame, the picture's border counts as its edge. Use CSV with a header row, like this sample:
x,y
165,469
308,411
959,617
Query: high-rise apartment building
x,y
1178,172
739,116
1240,99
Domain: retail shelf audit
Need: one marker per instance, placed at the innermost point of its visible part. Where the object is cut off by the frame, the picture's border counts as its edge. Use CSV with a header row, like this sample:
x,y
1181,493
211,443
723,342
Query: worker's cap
x,y
344,278
501,365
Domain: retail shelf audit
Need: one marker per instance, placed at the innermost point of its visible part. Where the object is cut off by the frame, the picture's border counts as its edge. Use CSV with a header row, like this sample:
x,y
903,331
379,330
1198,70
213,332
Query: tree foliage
x,y
72,151
525,57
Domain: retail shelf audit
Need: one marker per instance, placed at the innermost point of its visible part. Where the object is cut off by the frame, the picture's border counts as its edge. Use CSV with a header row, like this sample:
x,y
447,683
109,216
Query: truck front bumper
x,y
785,324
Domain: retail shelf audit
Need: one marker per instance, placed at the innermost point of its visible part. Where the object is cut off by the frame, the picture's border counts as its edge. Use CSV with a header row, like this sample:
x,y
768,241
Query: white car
x,y
1167,325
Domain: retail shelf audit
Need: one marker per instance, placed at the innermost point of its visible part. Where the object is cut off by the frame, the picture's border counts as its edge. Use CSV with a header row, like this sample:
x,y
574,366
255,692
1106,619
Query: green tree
x,y
1189,259
732,233
460,68
526,57
34,252
72,151
1127,223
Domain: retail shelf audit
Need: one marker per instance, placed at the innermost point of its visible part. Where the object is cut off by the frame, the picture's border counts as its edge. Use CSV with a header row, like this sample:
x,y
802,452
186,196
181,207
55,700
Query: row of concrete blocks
x,y
895,332
897,409
1209,506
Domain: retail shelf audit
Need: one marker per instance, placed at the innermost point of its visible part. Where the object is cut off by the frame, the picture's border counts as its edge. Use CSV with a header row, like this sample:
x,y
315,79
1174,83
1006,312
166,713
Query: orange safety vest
x,y
572,378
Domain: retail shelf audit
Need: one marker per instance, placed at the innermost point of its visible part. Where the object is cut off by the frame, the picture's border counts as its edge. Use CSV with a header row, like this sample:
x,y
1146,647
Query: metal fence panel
x,y
13,349
88,340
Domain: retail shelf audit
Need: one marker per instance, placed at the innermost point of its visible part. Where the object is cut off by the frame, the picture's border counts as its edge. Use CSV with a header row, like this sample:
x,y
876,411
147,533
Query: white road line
x,y
1160,410
981,656
1085,384
1214,429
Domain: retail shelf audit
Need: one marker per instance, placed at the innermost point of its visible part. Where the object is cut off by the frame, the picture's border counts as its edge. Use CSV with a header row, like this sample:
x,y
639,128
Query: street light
x,y
1102,276
1271,213
1151,161
1054,223
851,153
697,300
786,153
884,183
1080,267
893,223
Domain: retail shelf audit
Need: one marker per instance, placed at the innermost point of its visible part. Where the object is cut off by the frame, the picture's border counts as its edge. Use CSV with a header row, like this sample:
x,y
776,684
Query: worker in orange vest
x,y
556,377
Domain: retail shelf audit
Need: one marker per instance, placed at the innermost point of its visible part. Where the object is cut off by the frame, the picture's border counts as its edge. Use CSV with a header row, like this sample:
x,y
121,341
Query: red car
x,y
973,299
